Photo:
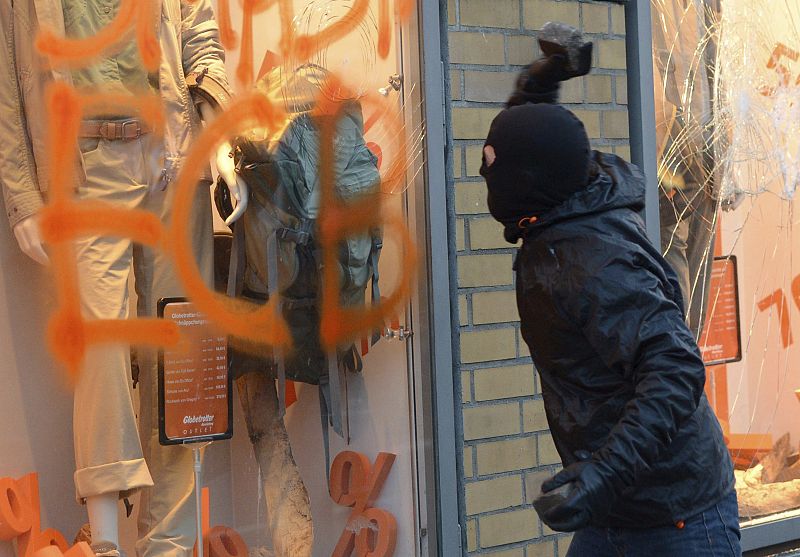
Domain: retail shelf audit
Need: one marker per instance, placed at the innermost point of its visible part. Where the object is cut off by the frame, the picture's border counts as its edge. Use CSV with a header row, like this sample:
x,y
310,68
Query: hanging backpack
x,y
277,251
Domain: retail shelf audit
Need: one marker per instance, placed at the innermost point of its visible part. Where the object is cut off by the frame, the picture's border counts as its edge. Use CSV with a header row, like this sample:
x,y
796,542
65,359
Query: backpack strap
x,y
237,260
325,418
374,256
272,290
337,377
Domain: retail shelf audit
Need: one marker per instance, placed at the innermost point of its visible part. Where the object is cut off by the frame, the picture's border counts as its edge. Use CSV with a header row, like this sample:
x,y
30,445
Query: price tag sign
x,y
721,341
194,386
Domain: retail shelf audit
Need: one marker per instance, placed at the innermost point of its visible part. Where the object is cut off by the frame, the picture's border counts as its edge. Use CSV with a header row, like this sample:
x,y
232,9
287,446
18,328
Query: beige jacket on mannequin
x,y
189,41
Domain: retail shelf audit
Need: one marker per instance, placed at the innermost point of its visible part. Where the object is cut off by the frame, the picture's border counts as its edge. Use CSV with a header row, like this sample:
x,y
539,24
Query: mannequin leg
x,y
108,455
288,505
166,519
104,517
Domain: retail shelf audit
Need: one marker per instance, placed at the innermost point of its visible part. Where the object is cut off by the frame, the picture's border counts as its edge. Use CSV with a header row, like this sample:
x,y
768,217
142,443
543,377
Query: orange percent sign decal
x,y
21,520
356,483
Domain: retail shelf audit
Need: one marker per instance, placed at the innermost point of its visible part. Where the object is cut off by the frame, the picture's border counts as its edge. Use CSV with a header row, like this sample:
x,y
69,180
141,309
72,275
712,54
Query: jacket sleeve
x,y
17,168
639,331
202,49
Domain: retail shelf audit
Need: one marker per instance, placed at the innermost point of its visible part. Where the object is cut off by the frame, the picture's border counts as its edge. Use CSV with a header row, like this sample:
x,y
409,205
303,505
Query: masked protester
x,y
646,470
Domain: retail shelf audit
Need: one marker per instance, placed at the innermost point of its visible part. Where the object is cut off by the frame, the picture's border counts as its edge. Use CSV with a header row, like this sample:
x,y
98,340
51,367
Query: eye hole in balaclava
x,y
489,156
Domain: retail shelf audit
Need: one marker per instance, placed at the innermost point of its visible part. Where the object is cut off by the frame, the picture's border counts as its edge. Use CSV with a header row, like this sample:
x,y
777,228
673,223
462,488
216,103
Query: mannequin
x,y
133,171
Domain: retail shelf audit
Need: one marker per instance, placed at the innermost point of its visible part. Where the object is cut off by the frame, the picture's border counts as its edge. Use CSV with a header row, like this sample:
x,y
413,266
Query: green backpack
x,y
278,232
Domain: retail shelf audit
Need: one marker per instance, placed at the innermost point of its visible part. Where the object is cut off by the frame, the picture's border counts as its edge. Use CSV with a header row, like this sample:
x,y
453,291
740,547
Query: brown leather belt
x,y
114,130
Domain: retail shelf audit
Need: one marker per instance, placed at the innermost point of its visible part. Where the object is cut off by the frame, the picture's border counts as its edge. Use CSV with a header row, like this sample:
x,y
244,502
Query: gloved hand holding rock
x,y
565,55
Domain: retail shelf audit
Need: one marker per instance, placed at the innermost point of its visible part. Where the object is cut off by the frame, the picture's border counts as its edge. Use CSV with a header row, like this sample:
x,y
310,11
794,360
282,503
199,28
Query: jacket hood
x,y
617,185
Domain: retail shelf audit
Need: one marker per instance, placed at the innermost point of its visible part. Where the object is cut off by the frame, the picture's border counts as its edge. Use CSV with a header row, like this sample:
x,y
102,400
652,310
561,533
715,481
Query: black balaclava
x,y
542,158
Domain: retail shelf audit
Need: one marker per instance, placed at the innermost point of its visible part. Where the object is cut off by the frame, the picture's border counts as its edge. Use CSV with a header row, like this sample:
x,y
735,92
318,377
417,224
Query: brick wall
x,y
507,450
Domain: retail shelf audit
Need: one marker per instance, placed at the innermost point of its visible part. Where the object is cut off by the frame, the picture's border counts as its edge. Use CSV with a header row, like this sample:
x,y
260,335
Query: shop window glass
x,y
335,69
727,83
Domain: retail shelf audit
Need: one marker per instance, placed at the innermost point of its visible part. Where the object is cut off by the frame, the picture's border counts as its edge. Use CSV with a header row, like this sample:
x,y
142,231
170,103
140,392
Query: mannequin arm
x,y
29,238
227,169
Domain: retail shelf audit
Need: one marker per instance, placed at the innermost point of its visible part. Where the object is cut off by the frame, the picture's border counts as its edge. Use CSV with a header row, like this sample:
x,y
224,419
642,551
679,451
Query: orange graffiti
x,y
300,47
142,15
65,218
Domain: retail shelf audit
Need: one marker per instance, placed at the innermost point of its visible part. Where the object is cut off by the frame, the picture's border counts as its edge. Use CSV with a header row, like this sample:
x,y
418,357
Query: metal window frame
x,y
642,106
431,306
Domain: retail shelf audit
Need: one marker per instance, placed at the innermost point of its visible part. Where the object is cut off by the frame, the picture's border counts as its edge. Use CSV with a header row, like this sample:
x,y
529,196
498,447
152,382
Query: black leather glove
x,y
566,55
580,493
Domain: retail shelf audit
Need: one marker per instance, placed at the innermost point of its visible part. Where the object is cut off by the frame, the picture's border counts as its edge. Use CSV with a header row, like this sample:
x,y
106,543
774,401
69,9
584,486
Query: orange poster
x,y
720,341
194,385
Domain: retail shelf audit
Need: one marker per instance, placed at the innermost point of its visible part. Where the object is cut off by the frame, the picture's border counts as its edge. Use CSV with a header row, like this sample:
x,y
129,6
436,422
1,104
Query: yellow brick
x,y
490,420
533,484
494,307
538,12
488,346
476,48
591,121
595,18
621,86
615,124
611,54
623,151
451,12
504,382
493,495
547,450
488,86
546,530
455,85
474,158
508,527
617,19
506,456
543,549
460,243
472,535
522,50
533,416
484,270
472,123
486,233
471,198
598,88
517,552
469,469
563,544
497,13
466,387
525,351
458,161
463,312
571,91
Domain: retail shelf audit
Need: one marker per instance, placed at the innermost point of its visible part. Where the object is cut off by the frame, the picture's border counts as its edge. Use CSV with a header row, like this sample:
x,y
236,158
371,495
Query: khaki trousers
x,y
109,454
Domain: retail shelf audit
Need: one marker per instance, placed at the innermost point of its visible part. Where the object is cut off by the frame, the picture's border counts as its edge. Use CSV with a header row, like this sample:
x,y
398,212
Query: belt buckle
x,y
123,126
114,131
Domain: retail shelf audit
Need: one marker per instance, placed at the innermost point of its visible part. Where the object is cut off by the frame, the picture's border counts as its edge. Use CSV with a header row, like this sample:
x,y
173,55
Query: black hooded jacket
x,y
622,377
